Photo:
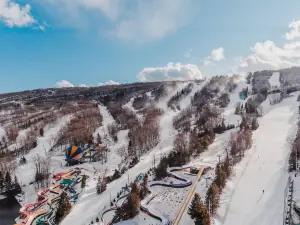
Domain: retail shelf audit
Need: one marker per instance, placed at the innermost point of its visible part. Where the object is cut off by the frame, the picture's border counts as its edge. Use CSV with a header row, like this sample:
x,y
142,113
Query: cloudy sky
x,y
47,43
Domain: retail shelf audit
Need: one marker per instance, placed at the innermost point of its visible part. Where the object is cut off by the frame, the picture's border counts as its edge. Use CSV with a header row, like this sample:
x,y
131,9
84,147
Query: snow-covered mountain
x,y
242,131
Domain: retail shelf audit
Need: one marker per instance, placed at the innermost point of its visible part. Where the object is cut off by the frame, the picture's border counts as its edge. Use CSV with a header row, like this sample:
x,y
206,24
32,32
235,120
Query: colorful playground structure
x,y
43,211
75,154
187,183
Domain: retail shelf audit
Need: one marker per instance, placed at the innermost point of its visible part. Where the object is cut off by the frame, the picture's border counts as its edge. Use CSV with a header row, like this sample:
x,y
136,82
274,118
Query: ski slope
x,y
263,168
274,80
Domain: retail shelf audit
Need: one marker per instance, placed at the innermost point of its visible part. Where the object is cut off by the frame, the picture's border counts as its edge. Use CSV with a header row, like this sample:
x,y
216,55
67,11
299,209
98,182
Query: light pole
x,y
110,197
219,158
206,178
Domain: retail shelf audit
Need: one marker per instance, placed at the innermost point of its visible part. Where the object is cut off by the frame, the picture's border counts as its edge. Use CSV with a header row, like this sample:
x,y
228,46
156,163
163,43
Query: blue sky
x,y
47,43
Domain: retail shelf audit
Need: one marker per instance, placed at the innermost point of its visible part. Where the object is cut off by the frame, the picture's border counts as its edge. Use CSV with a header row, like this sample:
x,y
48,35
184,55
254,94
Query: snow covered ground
x,y
229,111
25,173
263,168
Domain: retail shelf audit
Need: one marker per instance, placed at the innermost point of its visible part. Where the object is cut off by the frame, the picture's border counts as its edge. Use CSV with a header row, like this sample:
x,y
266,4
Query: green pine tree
x,y
64,207
1,182
193,210
83,181
8,181
199,212
213,198
134,201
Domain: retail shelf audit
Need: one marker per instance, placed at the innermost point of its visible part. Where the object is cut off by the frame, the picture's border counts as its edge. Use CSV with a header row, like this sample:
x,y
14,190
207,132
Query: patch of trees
x,y
216,87
140,101
124,117
182,122
276,98
221,128
222,172
42,171
198,211
223,100
252,106
79,131
102,183
8,185
249,78
63,208
240,142
173,102
295,149
159,92
183,150
145,135
133,202
10,106
260,81
113,130
208,117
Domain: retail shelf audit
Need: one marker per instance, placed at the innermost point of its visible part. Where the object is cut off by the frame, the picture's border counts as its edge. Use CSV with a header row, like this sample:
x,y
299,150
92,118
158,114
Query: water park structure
x,y
75,154
43,211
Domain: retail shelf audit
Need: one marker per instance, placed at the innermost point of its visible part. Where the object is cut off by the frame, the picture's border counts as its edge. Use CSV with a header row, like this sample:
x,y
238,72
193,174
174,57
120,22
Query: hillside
x,y
140,152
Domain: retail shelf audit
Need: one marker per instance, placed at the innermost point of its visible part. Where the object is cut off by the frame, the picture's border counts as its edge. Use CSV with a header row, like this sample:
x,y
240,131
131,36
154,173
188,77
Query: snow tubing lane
x,y
144,209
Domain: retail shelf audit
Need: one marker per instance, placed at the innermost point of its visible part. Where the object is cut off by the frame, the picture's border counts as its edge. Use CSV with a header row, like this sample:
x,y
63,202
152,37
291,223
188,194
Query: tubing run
x,y
44,217
152,184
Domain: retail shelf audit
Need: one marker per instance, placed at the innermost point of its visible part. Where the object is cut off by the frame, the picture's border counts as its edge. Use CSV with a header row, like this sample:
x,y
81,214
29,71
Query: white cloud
x,y
111,82
217,54
64,83
295,30
14,15
153,20
173,71
132,20
266,55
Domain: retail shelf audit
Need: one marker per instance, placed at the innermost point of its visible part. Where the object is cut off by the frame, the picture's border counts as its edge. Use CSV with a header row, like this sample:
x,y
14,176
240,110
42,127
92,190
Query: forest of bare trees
x,y
145,135
85,120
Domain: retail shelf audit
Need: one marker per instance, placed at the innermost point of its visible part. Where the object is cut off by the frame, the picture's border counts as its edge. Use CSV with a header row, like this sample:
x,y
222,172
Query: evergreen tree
x,y
193,210
254,124
238,109
101,185
193,142
83,181
199,212
220,177
213,197
223,125
63,207
8,181
42,132
99,141
145,184
16,183
134,201
161,170
1,182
